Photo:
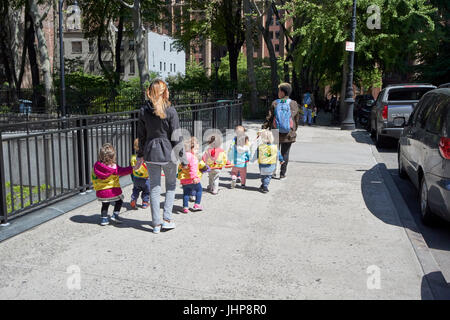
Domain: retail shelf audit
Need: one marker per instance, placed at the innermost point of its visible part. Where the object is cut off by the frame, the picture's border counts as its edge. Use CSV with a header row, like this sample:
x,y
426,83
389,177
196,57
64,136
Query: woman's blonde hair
x,y
158,94
107,154
266,136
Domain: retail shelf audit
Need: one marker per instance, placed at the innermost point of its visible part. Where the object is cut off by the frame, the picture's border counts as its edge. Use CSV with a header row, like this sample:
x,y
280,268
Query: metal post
x,y
61,60
3,206
348,123
87,165
80,158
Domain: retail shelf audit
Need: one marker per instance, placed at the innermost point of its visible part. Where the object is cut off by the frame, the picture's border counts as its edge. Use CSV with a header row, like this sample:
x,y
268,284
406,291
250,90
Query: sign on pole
x,y
349,46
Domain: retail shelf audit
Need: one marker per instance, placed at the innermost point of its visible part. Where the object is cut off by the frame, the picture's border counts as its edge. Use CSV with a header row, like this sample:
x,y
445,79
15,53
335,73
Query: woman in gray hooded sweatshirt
x,y
158,121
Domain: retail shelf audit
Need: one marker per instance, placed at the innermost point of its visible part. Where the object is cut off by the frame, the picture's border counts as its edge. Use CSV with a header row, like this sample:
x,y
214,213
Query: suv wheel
x,y
401,170
427,215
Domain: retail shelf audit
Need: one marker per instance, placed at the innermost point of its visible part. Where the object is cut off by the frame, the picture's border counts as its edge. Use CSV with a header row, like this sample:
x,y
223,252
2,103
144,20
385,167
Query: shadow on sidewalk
x,y
435,281
127,223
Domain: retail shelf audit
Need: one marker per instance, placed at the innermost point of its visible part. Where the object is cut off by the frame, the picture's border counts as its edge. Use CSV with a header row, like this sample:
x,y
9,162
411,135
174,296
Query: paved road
x,y
436,237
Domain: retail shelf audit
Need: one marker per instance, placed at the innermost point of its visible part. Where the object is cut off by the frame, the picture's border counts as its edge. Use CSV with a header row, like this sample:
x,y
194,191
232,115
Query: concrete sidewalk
x,y
325,232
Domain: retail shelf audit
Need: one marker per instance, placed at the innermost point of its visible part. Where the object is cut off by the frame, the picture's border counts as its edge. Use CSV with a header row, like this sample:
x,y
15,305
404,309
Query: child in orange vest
x,y
215,158
141,181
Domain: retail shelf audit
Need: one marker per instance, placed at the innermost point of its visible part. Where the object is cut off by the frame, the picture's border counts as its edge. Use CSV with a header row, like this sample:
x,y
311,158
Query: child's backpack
x,y
283,117
267,153
307,99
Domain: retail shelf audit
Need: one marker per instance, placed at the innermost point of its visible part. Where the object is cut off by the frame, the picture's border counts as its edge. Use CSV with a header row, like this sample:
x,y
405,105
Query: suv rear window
x,y
407,94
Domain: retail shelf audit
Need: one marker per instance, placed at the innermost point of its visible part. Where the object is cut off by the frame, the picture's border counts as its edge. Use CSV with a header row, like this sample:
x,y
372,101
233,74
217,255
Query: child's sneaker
x,y
191,199
233,184
133,204
104,221
197,207
185,210
243,186
115,217
144,205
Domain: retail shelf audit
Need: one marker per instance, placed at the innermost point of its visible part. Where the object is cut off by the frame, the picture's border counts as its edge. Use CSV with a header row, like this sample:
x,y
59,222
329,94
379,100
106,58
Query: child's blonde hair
x,y
266,136
190,144
107,154
136,144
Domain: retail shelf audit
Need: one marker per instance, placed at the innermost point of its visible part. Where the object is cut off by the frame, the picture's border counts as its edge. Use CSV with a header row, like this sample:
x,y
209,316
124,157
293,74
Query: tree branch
x,y
125,4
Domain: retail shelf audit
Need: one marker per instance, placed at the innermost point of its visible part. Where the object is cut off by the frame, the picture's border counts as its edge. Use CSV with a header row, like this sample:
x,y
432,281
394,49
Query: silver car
x,y
393,108
424,153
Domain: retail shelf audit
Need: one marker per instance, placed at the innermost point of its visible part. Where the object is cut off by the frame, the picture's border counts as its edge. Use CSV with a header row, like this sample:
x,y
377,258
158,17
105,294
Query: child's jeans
x,y
265,180
140,185
239,171
188,190
214,176
307,115
105,206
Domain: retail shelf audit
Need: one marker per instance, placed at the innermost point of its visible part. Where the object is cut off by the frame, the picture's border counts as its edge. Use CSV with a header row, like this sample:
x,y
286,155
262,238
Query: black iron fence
x,y
54,158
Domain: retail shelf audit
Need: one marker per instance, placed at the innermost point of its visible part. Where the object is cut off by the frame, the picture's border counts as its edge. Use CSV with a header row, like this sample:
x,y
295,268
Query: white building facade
x,y
163,57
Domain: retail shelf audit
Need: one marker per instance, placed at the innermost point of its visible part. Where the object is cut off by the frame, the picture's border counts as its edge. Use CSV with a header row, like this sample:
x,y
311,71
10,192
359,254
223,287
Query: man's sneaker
x,y
197,207
185,210
115,217
156,229
104,221
168,225
233,184
144,205
133,204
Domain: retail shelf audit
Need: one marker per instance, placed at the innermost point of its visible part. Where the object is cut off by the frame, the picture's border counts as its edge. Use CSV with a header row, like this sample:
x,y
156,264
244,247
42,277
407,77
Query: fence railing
x,y
54,159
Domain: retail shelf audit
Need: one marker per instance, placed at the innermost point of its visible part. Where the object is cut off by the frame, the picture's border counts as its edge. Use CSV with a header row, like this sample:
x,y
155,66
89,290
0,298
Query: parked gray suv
x,y
393,108
424,153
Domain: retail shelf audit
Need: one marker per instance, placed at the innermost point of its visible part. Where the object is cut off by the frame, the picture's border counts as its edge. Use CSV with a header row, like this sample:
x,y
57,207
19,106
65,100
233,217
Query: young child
x,y
314,115
266,153
105,178
141,181
190,176
239,155
215,158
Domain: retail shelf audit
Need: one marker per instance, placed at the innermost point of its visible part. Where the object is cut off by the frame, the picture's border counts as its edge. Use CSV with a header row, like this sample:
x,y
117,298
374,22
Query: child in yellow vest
x,y
267,153
141,181
105,178
215,158
190,176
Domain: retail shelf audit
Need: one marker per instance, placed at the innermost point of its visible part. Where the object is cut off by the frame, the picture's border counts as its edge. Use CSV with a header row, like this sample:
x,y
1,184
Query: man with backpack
x,y
283,115
308,105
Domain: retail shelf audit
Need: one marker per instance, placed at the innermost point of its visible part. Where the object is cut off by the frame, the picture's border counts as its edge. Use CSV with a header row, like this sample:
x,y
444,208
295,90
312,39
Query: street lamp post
x,y
216,67
61,58
348,123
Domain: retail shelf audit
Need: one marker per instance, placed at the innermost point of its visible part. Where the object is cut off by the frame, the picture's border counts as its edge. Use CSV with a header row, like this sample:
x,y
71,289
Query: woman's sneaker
x,y
197,207
104,221
156,229
168,225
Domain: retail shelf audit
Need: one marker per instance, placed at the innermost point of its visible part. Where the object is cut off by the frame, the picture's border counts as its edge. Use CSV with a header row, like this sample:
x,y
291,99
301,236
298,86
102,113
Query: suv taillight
x,y
444,147
384,114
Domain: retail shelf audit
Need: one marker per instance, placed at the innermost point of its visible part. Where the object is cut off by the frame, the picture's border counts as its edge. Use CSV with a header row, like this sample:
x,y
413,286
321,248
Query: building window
x,y
104,46
277,35
122,46
271,35
174,67
160,66
131,45
91,66
77,47
277,47
108,65
164,46
132,70
164,66
122,66
91,46
170,67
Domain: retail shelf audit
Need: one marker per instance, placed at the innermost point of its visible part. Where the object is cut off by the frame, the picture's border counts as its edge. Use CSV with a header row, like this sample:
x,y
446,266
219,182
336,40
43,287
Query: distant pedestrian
x,y
141,181
239,156
308,105
190,176
267,154
284,116
314,115
216,159
158,120
105,178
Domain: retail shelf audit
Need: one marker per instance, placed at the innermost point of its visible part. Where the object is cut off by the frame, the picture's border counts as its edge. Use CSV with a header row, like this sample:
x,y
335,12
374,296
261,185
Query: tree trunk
x,y
118,52
140,44
43,53
250,61
233,55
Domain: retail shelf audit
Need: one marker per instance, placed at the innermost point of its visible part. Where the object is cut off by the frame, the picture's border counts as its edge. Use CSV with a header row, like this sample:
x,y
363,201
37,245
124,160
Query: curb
x,y
437,285
29,221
